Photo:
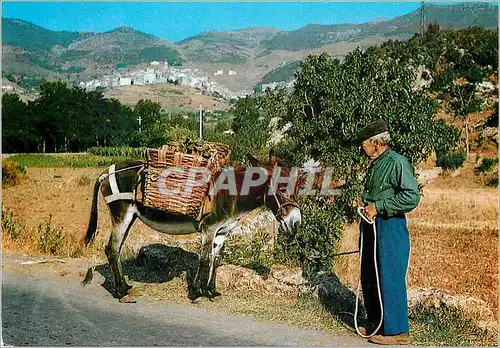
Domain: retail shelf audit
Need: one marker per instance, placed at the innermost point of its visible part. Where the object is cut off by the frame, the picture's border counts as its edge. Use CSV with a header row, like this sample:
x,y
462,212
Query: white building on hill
x,y
125,81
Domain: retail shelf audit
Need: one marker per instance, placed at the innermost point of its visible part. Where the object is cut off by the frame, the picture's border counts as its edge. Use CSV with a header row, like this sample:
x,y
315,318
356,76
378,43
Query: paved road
x,y
42,311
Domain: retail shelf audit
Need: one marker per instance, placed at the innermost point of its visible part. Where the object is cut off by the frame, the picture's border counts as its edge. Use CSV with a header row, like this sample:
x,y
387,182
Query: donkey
x,y
117,185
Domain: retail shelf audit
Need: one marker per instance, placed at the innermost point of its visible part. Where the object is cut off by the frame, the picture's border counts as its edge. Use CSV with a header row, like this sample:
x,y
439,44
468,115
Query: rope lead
x,y
371,222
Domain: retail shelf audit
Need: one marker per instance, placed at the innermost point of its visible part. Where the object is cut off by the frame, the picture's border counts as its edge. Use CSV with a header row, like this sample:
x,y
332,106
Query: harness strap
x,y
112,179
119,196
116,195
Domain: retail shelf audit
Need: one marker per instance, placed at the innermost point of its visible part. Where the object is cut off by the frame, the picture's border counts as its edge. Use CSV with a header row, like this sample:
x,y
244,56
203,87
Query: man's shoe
x,y
393,340
366,330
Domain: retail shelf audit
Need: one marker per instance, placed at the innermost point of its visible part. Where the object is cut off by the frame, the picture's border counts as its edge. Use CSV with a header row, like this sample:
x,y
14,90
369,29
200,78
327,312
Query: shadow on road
x,y
159,263
339,300
155,263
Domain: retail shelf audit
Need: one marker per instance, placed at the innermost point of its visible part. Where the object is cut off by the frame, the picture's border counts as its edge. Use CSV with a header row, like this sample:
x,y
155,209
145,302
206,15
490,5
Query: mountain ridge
x,y
255,51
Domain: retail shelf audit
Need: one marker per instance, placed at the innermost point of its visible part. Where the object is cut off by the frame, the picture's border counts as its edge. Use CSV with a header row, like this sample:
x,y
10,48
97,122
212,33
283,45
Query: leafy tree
x,y
464,102
149,112
66,119
217,134
149,117
331,102
14,123
71,119
52,119
246,111
467,67
448,53
121,124
249,126
252,116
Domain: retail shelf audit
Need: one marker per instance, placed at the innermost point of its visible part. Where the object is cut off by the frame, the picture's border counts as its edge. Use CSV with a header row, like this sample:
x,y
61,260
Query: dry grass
x,y
65,195
168,96
45,239
246,293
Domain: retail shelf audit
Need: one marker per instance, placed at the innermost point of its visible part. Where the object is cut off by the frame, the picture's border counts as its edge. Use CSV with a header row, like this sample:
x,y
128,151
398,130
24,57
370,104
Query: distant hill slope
x,y
456,16
226,47
283,73
19,33
123,45
34,52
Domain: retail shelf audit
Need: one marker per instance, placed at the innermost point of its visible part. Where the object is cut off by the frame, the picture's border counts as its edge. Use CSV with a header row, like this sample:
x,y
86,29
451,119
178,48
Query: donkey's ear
x,y
253,161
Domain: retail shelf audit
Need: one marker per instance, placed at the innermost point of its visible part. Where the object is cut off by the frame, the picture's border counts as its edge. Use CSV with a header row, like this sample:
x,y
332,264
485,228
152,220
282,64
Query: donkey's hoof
x,y
194,295
211,294
197,300
127,299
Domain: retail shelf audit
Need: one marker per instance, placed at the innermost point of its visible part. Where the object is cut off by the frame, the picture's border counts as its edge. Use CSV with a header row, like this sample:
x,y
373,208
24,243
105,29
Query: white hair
x,y
384,137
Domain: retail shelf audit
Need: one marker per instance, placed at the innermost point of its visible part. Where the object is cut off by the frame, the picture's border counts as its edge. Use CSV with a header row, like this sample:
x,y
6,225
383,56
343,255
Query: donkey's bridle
x,y
280,205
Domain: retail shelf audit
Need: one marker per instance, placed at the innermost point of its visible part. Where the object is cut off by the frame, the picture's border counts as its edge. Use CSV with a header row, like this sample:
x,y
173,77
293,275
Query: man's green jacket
x,y
391,185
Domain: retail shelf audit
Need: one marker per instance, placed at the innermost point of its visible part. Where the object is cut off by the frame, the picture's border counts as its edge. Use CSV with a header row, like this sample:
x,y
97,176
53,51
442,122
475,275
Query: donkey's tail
x,y
92,228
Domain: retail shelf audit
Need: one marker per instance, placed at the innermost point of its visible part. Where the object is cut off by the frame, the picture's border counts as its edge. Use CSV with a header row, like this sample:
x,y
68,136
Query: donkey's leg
x,y
201,278
221,234
123,217
217,245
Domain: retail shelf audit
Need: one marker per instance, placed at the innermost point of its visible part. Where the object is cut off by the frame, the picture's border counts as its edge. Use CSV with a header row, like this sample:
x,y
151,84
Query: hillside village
x,y
161,72
157,72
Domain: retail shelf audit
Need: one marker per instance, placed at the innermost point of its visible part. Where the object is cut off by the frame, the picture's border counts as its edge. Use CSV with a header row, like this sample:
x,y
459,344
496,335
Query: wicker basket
x,y
167,175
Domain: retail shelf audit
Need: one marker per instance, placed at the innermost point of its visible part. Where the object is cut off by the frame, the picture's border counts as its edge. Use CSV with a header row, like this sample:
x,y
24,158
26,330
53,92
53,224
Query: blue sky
x,y
174,21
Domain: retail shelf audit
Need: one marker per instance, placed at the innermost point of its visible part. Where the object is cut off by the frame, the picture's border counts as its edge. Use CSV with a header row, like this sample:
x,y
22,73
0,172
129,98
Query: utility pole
x,y
201,122
422,18
26,132
139,119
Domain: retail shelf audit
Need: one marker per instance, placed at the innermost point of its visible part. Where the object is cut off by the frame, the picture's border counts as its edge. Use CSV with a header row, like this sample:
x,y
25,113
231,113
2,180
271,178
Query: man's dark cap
x,y
372,129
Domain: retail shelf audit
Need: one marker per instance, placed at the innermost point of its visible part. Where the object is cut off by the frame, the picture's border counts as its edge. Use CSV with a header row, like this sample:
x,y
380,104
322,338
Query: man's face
x,y
370,147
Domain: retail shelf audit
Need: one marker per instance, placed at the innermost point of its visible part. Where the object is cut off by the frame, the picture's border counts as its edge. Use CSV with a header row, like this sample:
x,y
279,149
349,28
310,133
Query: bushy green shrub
x,y
488,169
486,164
451,160
312,246
443,79
254,253
10,226
50,239
493,182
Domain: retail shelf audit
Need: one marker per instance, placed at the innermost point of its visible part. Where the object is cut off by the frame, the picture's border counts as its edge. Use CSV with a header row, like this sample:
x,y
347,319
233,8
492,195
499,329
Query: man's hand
x,y
370,211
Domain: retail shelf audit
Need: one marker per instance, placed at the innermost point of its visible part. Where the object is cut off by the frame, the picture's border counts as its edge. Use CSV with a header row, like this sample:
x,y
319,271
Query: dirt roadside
x,y
45,304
